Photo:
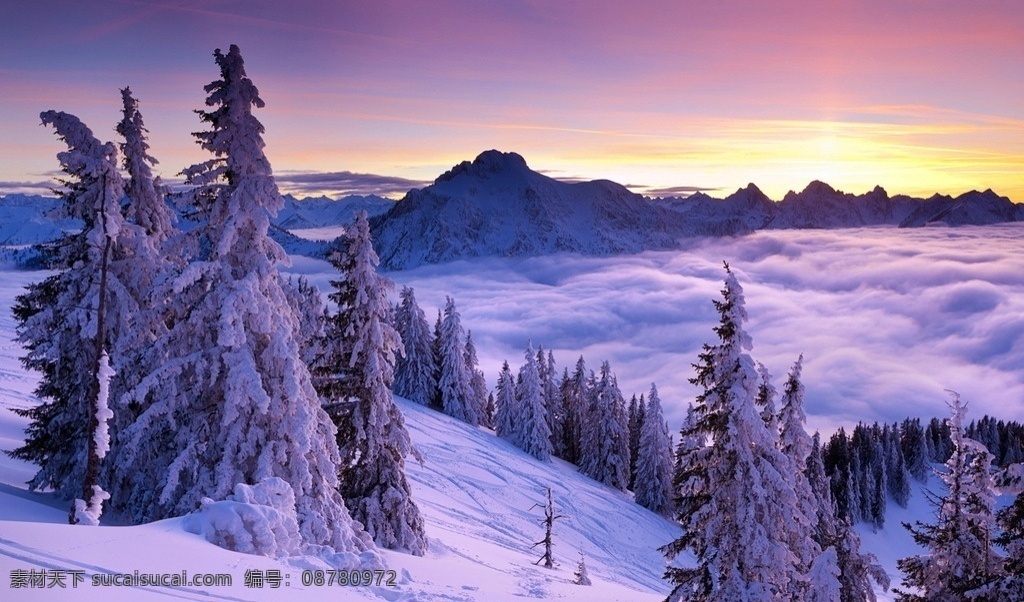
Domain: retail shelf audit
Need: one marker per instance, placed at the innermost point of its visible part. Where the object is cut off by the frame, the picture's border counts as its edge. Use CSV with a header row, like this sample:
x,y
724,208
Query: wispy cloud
x,y
344,183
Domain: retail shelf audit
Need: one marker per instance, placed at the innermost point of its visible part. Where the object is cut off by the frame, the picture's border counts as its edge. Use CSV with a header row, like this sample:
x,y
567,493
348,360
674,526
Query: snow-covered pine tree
x,y
530,424
653,486
235,402
738,509
766,399
71,320
574,396
581,577
897,476
915,449
455,381
604,452
147,207
634,419
477,382
307,303
505,406
415,371
360,347
961,563
797,446
148,256
1010,586
552,400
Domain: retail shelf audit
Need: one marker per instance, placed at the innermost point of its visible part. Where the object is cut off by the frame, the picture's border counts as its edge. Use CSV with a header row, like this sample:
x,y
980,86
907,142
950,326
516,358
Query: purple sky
x,y
919,96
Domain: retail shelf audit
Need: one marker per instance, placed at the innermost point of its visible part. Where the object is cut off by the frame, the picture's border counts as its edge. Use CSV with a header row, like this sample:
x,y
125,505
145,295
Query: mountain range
x,y
496,205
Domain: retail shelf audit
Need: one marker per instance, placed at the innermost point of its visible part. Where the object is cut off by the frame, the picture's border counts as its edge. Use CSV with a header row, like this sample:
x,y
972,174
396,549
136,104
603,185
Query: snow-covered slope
x,y
475,491
970,208
497,206
28,220
320,212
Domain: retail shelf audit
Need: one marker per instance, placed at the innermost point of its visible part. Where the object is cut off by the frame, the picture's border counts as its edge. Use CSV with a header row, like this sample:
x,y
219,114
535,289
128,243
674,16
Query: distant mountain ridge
x,y
496,205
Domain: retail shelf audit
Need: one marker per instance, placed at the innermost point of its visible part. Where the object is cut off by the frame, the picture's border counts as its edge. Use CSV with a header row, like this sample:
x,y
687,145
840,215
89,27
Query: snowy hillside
x,y
475,491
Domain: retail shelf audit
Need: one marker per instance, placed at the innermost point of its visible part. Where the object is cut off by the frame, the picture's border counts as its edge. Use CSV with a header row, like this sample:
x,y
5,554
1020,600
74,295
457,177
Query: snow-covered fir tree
x,y
581,577
552,400
653,486
305,300
505,405
766,399
415,371
740,516
961,562
455,381
361,347
233,403
477,382
574,390
147,207
530,423
635,419
604,449
70,321
1010,585
915,449
897,477
796,445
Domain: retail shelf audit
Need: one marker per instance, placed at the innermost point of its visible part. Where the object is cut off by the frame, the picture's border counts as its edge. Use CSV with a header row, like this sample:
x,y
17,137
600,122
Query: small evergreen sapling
x,y
581,577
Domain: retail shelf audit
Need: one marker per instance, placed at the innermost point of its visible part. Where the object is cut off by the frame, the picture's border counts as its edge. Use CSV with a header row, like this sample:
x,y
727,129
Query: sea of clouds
x,y
887,319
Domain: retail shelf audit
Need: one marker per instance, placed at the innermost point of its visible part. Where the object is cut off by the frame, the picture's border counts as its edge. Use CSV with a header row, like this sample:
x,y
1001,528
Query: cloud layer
x,y
887,319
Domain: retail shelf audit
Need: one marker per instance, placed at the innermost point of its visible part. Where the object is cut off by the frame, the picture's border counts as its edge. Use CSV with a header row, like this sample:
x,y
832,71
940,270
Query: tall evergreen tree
x,y
914,445
823,569
147,207
574,403
896,473
766,399
552,400
235,402
415,370
506,407
361,347
455,381
72,320
961,563
634,418
477,382
653,486
736,505
1010,586
604,452
530,424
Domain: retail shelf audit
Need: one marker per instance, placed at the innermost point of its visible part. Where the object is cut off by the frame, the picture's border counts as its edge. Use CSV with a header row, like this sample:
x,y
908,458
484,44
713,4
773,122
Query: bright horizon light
x,y
917,98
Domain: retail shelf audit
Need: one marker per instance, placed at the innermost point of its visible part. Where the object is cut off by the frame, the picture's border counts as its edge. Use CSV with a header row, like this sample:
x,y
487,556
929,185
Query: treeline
x,y
875,463
579,416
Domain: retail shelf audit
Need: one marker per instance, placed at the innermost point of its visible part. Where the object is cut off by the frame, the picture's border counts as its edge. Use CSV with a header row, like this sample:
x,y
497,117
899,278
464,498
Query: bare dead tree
x,y
549,522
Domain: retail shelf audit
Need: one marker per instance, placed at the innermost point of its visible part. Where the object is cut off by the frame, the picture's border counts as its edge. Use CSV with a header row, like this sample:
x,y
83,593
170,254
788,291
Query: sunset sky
x,y
665,97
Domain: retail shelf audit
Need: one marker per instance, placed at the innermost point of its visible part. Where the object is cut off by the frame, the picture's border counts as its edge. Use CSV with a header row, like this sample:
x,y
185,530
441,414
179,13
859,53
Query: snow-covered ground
x,y
475,491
